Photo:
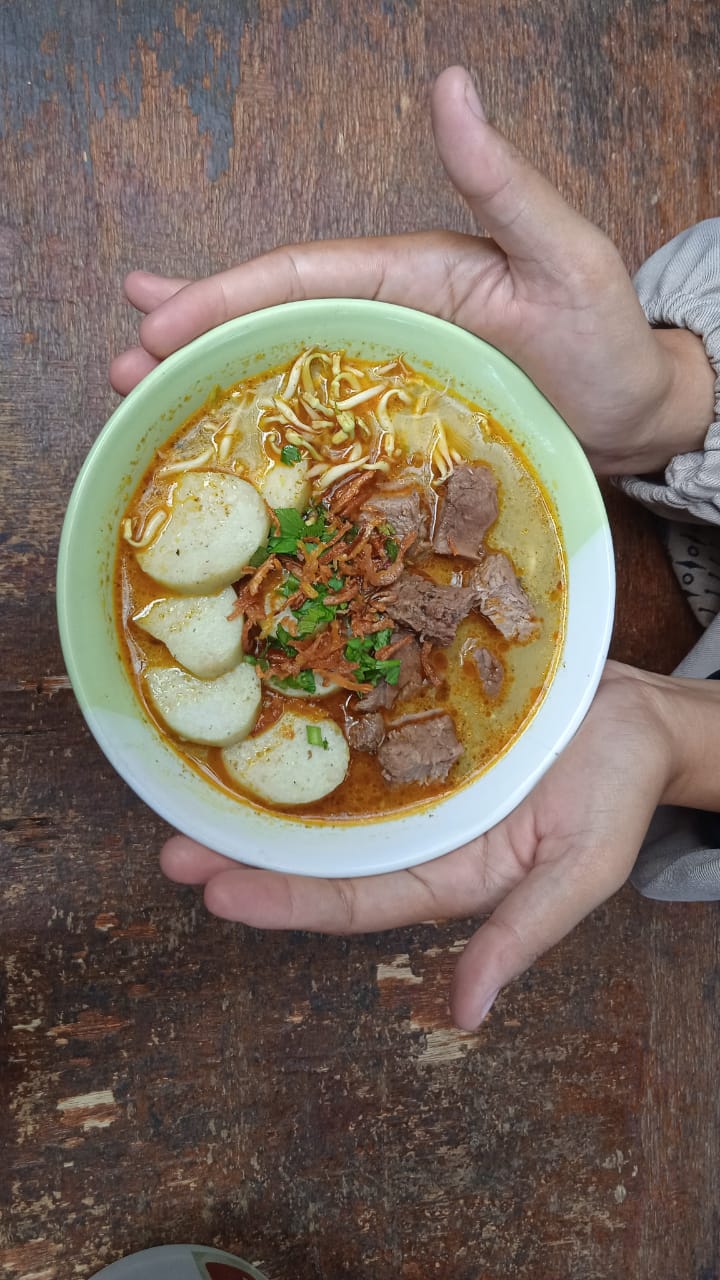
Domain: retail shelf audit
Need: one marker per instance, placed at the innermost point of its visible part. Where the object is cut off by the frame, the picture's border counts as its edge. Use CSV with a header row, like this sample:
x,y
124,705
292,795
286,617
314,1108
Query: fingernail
x,y
476,106
488,1005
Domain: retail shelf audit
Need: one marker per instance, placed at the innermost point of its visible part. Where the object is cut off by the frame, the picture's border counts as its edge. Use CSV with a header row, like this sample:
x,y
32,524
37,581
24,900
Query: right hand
x,y
566,848
546,287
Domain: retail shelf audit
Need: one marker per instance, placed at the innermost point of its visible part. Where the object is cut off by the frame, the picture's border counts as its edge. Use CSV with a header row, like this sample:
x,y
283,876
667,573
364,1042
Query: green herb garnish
x,y
283,640
317,525
292,529
391,550
304,680
315,738
289,586
388,669
336,583
312,615
290,454
256,661
369,669
381,638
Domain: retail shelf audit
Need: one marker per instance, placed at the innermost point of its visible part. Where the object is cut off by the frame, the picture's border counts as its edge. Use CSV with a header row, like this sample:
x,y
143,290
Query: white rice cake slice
x,y
198,631
216,713
217,522
282,767
283,486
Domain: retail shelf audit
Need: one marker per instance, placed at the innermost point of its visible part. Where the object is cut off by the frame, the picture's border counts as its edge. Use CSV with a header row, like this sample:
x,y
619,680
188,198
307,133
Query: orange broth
x,y
526,530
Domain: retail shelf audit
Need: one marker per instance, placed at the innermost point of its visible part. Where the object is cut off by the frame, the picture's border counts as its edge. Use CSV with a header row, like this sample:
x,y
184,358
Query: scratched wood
x,y
300,1100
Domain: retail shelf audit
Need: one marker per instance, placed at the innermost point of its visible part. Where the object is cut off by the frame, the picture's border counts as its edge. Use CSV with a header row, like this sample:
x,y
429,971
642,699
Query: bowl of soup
x,y
335,588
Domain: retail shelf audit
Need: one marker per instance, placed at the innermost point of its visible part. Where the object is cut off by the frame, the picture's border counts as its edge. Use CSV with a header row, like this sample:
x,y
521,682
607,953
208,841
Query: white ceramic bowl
x,y
119,457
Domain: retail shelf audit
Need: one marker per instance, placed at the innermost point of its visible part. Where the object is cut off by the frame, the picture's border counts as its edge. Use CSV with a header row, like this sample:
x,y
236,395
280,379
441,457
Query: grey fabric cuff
x,y
679,287
674,864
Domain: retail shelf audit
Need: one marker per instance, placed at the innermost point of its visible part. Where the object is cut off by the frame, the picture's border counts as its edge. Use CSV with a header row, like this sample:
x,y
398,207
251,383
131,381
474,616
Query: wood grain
x,y
305,1101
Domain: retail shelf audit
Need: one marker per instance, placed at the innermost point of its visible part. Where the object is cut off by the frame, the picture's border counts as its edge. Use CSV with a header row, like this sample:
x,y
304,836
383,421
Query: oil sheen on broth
x,y
358,482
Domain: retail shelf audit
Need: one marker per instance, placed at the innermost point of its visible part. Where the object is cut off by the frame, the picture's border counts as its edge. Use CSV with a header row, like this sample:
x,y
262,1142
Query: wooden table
x,y
306,1101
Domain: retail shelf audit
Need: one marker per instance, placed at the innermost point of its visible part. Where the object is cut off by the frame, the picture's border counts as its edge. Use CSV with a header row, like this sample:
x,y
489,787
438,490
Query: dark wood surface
x,y
305,1101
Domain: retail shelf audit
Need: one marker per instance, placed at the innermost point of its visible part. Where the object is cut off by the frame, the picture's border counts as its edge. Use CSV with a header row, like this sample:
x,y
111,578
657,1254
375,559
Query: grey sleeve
x,y
677,862
679,288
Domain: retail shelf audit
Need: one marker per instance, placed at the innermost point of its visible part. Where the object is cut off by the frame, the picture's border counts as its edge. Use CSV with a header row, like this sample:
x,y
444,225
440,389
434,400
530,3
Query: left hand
x,y
562,852
545,286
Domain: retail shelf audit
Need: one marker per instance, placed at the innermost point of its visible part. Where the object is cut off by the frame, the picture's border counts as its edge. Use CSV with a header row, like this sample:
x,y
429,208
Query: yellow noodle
x,y
293,378
149,530
383,416
187,464
294,437
368,394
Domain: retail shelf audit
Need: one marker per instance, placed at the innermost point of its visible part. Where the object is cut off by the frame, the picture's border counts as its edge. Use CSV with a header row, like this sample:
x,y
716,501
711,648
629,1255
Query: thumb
x,y
516,205
542,909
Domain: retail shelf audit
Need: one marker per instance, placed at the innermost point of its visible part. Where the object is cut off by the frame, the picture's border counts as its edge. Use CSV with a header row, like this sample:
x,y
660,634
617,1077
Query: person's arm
x,y
688,410
679,860
691,713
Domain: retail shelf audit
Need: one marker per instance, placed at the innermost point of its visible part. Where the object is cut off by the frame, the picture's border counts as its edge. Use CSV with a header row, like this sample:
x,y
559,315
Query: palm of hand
x,y
565,327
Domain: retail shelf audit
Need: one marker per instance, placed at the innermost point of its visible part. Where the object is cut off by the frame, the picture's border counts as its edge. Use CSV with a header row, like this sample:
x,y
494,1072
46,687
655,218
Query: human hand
x,y
547,287
561,853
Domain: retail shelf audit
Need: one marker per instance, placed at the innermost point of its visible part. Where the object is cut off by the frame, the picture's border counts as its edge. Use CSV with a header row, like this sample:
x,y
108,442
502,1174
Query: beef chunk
x,y
411,673
490,670
402,510
383,695
367,732
500,598
469,507
421,751
434,612
409,680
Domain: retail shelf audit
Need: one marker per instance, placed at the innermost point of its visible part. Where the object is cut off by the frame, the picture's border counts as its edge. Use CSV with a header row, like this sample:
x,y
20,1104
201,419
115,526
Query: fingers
x,y
362,905
269,900
538,913
412,270
589,814
146,291
515,204
187,862
447,887
130,368
321,270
